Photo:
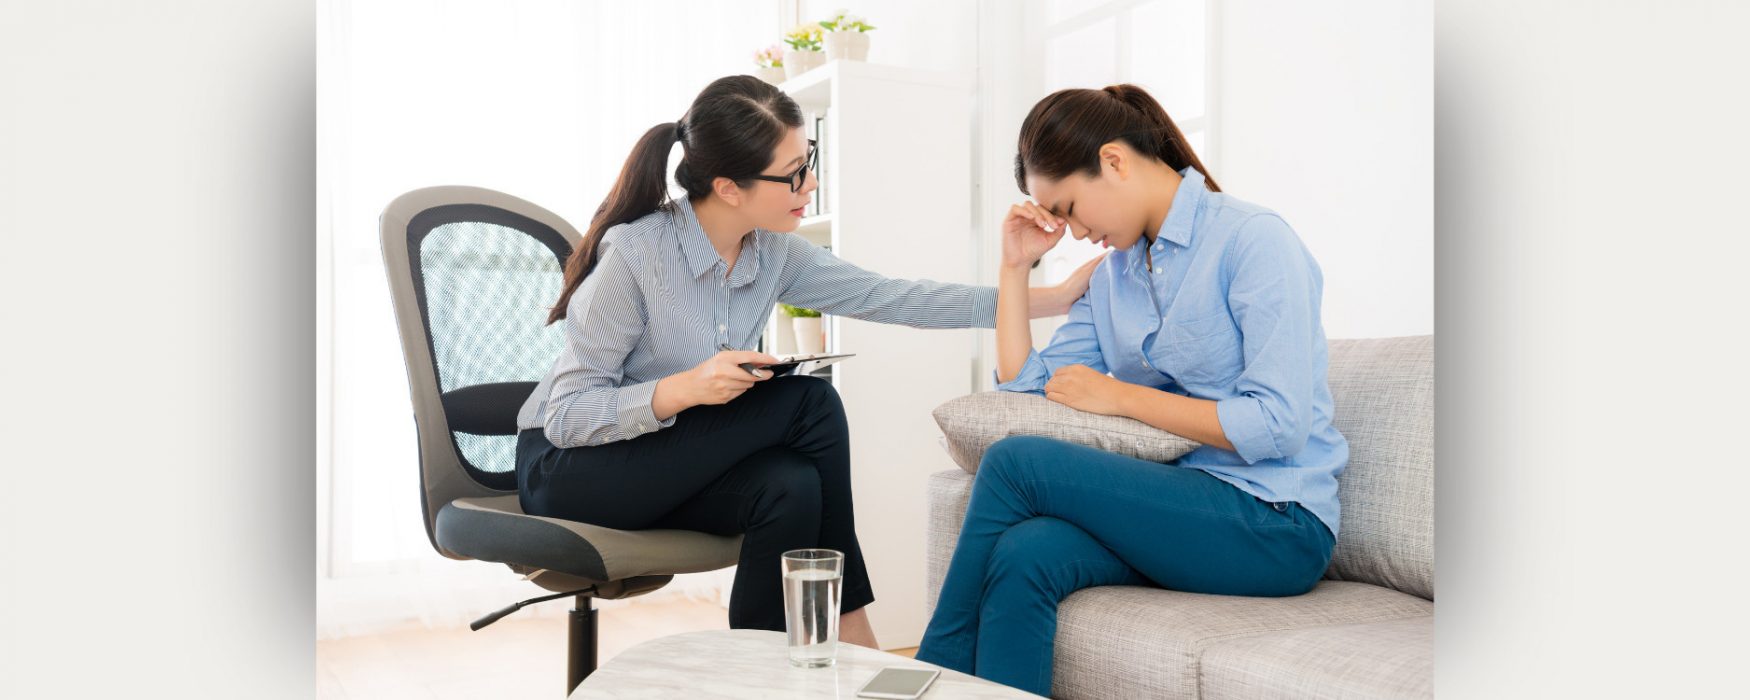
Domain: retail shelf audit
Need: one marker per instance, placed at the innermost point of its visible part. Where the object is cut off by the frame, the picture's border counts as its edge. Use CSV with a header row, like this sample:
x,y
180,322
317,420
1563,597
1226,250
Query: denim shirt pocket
x,y
1204,351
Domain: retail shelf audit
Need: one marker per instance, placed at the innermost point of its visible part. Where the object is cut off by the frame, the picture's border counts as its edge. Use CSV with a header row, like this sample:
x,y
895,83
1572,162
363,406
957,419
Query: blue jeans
x,y
1048,518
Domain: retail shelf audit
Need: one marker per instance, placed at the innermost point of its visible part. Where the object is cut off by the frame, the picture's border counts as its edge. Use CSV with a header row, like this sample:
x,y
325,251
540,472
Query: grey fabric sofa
x,y
1366,631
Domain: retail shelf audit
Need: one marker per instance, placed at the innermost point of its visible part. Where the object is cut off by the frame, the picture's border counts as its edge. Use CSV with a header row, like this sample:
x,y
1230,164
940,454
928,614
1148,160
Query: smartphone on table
x,y
899,683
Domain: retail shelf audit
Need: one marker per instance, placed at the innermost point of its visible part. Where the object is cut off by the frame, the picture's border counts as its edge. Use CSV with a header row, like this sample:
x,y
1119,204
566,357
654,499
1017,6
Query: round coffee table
x,y
756,664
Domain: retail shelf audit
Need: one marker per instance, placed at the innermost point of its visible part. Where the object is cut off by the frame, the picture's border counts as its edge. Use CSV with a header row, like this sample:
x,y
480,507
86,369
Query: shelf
x,y
880,122
813,89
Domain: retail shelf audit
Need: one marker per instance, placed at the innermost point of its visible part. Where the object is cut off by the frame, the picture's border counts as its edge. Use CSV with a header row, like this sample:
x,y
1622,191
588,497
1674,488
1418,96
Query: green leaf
x,y
798,312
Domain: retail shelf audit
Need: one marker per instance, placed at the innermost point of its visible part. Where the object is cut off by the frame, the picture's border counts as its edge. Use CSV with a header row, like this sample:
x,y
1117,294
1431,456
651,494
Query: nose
x,y
810,183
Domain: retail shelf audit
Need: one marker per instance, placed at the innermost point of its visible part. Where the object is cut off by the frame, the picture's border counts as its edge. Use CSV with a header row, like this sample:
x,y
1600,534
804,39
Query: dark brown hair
x,y
1064,132
730,131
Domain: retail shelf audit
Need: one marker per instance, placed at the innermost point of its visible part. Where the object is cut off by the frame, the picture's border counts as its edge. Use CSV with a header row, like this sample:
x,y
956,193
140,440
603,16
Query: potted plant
x,y
770,61
810,339
804,51
847,37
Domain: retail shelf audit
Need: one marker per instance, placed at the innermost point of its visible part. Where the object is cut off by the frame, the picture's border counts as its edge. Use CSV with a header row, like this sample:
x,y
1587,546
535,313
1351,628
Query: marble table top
x,y
755,664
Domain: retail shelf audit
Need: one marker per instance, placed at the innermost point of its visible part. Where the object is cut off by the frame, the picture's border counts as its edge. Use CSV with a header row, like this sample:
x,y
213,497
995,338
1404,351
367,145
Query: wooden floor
x,y
513,658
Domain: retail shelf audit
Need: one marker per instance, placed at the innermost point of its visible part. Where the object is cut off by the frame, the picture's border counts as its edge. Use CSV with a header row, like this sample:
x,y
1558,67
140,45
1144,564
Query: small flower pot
x,y
848,46
799,62
810,340
771,74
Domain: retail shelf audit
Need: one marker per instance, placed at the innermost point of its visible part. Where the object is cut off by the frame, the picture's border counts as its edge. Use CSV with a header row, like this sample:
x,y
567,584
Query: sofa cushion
x,y
1383,390
1393,659
972,423
1127,641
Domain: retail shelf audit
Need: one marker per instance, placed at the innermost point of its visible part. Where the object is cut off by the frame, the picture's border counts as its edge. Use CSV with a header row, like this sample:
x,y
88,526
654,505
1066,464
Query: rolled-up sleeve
x,y
826,283
587,405
1074,343
1274,297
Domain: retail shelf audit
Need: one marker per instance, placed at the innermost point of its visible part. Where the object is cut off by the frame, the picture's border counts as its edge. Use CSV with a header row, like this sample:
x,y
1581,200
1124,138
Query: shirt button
x,y
722,327
1157,271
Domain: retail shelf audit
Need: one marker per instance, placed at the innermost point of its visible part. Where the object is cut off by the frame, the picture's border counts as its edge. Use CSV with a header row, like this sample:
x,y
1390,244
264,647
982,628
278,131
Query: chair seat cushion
x,y
971,424
494,528
1128,641
1393,659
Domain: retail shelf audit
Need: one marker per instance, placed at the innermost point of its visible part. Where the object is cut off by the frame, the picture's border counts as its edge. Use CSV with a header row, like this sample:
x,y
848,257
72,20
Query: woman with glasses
x,y
649,419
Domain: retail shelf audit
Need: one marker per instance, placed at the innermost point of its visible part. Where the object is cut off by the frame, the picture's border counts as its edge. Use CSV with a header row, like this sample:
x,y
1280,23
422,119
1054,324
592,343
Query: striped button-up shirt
x,y
661,300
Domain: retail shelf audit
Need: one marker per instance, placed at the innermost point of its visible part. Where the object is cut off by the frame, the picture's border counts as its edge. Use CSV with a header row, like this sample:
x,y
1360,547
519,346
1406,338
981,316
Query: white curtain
x,y
541,99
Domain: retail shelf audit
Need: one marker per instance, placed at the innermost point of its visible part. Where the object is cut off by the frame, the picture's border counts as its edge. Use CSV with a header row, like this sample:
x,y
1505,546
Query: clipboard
x,y
804,364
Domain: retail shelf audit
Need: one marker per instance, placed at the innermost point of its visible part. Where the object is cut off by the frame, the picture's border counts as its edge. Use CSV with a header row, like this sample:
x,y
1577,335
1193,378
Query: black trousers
x,y
773,465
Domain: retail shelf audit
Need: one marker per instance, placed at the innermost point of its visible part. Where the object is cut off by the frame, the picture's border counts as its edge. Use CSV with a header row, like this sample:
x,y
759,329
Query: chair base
x,y
582,634
581,647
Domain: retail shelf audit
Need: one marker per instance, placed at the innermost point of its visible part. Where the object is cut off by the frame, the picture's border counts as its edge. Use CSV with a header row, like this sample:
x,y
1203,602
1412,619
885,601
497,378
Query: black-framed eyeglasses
x,y
796,179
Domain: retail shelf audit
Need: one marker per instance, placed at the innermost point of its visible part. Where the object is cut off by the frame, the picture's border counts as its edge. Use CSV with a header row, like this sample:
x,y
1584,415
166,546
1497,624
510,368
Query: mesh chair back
x,y
472,273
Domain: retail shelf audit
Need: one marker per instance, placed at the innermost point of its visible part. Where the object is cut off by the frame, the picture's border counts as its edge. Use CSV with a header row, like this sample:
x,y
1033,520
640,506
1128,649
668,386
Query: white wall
x,y
1327,116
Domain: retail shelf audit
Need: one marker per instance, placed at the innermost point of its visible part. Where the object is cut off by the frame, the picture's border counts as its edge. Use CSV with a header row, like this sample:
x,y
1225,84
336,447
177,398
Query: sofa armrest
x,y
949,490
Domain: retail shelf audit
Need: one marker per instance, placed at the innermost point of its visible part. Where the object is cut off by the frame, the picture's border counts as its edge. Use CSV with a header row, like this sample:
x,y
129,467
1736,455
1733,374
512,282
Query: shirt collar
x,y
702,256
1186,202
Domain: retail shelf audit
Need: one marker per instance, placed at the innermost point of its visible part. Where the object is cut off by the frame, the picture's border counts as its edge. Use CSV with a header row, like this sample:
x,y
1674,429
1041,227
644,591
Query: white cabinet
x,y
897,185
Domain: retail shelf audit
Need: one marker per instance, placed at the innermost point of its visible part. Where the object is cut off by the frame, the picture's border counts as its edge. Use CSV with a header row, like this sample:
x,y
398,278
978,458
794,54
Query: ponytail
x,y
642,188
1162,139
1064,132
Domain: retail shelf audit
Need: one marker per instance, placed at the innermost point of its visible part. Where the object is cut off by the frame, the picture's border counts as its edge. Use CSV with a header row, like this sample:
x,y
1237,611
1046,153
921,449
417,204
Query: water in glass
x,y
812,582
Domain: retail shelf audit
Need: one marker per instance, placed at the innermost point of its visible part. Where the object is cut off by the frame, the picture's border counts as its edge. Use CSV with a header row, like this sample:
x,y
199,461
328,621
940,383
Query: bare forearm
x,y
1014,332
1184,416
1045,302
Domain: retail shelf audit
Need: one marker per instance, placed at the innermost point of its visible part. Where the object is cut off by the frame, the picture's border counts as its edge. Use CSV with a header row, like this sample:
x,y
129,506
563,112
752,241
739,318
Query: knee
x,y
821,393
792,486
816,395
1007,456
1030,552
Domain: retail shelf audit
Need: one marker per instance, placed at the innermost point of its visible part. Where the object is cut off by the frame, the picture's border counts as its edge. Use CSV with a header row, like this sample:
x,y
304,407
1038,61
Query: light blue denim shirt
x,y
1228,312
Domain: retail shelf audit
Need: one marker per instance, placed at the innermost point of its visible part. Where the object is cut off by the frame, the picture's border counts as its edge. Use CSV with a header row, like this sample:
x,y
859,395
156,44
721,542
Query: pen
x,y
745,365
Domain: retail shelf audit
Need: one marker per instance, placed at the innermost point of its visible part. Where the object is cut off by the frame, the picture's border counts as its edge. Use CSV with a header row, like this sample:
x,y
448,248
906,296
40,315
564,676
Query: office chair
x,y
472,273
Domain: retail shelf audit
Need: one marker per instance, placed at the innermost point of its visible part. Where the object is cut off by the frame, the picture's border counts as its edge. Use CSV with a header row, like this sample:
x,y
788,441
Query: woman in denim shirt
x,y
1204,322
